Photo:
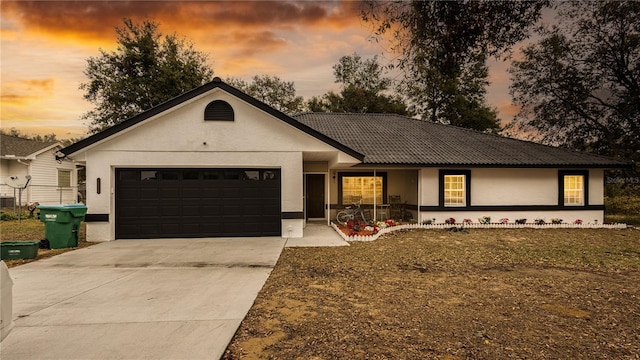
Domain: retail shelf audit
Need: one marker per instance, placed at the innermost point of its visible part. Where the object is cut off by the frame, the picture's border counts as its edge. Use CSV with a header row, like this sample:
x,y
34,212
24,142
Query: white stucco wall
x,y
181,138
512,187
429,187
567,216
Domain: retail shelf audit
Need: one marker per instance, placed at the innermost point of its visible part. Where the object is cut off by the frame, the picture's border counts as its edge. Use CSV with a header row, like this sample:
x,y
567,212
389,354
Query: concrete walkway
x,y
144,299
317,234
138,299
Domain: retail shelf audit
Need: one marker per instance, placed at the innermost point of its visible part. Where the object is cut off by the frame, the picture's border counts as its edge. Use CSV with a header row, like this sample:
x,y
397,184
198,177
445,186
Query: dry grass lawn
x,y
30,229
426,294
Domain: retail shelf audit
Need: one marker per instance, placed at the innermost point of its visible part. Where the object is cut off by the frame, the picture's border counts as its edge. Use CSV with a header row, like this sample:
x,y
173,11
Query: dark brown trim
x,y
511,208
585,190
292,215
369,206
621,165
96,218
467,185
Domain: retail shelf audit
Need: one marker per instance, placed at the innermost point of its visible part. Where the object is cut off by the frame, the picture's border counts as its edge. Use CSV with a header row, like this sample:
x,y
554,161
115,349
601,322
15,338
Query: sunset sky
x,y
45,44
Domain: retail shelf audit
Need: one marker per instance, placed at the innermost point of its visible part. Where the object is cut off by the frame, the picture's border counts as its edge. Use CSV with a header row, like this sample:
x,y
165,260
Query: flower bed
x,y
363,232
359,228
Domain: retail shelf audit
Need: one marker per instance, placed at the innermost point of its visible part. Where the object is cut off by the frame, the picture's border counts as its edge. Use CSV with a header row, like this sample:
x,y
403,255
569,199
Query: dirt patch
x,y
488,294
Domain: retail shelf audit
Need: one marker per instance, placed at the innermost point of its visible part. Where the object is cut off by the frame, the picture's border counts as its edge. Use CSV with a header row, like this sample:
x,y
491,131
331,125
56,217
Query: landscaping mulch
x,y
436,294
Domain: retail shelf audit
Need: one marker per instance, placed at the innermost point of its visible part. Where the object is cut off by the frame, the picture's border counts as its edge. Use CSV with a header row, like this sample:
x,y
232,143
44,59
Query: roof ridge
x,y
524,141
497,145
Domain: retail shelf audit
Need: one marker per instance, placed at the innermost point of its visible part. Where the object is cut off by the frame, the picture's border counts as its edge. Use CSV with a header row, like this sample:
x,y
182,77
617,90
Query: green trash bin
x,y
12,250
62,224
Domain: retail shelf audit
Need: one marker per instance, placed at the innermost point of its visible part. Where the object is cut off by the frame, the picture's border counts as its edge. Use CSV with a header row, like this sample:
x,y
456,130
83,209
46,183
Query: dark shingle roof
x,y
400,140
20,147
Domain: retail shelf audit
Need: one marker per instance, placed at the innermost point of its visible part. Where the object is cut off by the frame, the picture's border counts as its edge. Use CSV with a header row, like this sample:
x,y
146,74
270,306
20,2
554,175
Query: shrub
x,y
622,205
5,216
485,220
450,221
521,221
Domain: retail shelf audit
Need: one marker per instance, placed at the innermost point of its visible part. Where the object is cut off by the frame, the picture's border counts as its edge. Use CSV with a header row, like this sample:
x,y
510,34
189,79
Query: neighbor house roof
x,y
216,83
394,139
15,147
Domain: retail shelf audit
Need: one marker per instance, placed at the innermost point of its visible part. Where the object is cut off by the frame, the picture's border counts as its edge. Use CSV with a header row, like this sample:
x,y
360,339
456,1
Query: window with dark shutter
x,y
218,110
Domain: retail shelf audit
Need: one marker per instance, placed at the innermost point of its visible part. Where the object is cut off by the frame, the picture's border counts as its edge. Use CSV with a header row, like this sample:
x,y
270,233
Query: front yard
x,y
485,294
30,229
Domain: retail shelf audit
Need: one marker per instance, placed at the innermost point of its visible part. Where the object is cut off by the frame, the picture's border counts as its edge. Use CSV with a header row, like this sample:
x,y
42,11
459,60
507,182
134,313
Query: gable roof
x,y
399,140
216,83
15,147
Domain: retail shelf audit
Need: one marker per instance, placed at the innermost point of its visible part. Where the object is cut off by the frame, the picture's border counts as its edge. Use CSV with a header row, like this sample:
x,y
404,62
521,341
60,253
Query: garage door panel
x,y
197,203
170,229
253,210
148,192
170,193
232,193
188,210
209,192
231,211
170,211
128,193
191,193
211,210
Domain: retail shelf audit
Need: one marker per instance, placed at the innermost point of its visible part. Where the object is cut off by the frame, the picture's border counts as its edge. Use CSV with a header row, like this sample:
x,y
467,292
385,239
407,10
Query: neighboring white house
x,y
217,162
52,181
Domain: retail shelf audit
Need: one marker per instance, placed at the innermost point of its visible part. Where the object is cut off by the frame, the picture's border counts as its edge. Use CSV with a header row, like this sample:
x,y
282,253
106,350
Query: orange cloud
x,y
98,18
23,91
230,28
254,43
44,85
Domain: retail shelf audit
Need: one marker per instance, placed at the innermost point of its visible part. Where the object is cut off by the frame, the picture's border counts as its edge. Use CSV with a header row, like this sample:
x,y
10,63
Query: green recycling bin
x,y
62,224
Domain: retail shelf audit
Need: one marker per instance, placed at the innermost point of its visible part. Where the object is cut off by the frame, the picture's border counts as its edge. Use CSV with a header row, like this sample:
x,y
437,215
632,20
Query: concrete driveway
x,y
138,299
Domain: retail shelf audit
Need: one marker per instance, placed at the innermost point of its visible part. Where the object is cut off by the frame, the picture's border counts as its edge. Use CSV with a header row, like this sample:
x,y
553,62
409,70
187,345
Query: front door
x,y
315,196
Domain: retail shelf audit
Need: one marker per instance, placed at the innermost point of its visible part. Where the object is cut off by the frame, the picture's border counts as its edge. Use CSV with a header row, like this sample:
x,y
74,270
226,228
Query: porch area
x,y
381,193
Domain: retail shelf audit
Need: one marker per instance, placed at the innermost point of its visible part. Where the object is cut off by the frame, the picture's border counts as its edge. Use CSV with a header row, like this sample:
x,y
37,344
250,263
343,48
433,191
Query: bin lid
x,y
50,207
76,210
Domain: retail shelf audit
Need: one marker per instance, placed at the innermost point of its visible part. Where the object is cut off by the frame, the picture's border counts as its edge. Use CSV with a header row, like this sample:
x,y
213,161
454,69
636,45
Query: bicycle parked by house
x,y
350,213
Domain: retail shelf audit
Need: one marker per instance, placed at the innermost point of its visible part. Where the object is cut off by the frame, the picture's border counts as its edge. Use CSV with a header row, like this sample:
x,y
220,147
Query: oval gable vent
x,y
218,110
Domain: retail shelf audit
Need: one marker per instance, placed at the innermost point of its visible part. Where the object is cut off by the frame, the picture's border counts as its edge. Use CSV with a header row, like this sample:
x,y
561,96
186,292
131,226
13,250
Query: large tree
x,y
273,91
442,48
363,88
579,85
147,68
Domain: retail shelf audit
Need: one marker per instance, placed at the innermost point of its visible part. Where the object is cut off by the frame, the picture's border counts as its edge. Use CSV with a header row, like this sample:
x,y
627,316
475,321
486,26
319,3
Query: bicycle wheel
x,y
343,217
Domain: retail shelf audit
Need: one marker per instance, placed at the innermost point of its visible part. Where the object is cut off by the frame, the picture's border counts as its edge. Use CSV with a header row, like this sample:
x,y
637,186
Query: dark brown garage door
x,y
173,203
